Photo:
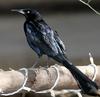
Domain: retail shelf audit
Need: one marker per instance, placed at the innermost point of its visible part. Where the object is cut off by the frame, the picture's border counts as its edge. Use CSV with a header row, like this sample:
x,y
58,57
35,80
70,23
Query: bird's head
x,y
29,13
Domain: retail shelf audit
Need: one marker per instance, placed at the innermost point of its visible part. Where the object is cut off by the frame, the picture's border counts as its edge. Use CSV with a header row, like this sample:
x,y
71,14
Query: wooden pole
x,y
44,78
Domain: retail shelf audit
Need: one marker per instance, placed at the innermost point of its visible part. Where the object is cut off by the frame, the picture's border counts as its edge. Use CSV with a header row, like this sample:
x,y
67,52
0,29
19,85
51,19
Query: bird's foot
x,y
36,63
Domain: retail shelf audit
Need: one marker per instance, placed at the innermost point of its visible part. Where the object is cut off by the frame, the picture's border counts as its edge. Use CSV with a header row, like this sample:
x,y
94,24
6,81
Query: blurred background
x,y
77,25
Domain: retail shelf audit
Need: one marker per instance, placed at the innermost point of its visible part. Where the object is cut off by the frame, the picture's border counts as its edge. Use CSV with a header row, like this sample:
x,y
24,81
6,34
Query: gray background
x,y
77,25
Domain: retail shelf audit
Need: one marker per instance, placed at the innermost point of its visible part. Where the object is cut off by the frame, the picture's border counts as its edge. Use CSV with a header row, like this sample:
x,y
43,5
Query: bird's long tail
x,y
87,85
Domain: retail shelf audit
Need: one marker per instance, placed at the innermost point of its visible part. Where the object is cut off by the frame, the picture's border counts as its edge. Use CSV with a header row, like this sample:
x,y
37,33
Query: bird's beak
x,y
18,10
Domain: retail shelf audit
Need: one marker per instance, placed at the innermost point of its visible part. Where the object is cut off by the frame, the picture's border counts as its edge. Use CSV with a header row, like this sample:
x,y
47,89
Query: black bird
x,y
45,41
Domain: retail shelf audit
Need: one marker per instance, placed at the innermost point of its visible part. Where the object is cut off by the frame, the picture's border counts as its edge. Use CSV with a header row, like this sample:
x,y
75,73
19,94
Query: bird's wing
x,y
48,38
31,37
59,41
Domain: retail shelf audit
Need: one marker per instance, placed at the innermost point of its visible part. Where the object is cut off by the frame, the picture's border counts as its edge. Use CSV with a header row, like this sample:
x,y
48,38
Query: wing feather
x,y
59,41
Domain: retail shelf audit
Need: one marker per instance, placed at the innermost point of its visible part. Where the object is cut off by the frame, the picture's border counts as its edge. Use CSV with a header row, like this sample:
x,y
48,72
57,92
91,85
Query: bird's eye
x,y
28,11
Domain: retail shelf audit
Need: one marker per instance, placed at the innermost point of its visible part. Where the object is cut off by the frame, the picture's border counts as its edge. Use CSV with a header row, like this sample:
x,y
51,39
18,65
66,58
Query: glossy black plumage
x,y
45,41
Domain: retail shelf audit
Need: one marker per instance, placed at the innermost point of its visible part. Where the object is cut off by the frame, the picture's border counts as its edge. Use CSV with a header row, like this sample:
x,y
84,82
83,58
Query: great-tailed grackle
x,y
45,41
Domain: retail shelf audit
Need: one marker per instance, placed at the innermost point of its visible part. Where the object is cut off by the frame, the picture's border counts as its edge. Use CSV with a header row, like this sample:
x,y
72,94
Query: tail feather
x,y
86,84
82,79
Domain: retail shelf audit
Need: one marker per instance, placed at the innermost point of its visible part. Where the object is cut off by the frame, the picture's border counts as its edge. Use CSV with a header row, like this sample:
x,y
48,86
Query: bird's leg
x,y
36,62
47,61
